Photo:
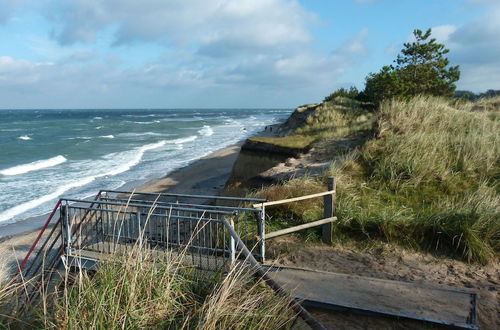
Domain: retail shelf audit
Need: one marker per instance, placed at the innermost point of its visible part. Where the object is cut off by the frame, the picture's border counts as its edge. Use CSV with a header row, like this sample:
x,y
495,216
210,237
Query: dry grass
x,y
339,117
428,181
142,289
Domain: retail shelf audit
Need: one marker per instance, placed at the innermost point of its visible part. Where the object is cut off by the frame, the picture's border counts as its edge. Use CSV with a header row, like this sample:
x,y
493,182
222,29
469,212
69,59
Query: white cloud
x,y
442,33
239,24
475,46
355,45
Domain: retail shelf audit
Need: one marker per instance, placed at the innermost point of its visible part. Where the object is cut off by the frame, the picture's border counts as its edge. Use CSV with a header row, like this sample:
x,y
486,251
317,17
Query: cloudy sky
x,y
224,53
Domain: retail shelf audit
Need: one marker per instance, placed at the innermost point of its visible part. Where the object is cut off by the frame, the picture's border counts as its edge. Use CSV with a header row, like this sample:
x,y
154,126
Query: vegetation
x,y
339,117
429,180
162,294
471,96
421,68
352,93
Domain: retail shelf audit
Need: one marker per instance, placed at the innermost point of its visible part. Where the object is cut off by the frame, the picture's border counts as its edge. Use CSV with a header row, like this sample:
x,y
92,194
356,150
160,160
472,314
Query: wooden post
x,y
329,210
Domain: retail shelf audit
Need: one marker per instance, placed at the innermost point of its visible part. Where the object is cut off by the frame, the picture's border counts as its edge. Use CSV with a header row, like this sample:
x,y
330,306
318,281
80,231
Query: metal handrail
x,y
246,209
261,273
142,205
242,199
44,227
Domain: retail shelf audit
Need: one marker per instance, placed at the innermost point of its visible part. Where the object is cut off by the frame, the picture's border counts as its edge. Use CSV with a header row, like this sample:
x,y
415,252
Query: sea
x,y
47,154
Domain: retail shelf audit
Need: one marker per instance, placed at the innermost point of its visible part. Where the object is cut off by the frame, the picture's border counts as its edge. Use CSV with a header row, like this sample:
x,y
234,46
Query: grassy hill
x,y
428,179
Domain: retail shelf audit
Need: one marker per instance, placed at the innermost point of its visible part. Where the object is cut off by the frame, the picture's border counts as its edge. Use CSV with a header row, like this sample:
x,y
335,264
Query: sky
x,y
225,53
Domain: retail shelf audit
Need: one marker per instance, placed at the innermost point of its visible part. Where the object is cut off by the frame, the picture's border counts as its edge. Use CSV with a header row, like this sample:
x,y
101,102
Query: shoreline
x,y
204,176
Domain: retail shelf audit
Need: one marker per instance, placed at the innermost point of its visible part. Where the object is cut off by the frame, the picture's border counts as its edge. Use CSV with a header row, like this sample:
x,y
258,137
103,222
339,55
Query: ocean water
x,y
46,154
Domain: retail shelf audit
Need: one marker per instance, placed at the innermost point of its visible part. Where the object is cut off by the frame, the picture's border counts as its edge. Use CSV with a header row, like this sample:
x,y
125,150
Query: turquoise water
x,y
46,154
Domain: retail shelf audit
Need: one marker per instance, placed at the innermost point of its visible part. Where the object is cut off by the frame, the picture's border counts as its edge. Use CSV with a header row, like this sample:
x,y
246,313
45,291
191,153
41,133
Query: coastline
x,y
204,176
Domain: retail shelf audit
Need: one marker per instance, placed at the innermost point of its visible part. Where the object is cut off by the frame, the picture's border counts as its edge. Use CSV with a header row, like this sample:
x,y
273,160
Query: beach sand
x,y
205,176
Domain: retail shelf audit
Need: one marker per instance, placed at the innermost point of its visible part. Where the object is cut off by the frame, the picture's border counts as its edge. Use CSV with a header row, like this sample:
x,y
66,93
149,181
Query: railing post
x,y
232,244
66,228
141,233
262,233
329,210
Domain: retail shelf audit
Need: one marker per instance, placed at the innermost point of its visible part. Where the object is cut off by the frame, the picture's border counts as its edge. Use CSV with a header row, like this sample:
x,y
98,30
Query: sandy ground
x,y
205,176
388,262
208,176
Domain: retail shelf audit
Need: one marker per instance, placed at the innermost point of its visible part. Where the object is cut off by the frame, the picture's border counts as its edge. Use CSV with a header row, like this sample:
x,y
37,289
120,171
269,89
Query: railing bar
x,y
201,206
299,227
42,247
45,225
188,196
307,317
295,199
128,212
138,205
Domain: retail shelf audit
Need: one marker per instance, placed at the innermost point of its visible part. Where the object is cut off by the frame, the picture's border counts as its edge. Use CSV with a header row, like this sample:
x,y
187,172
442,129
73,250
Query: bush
x,y
352,93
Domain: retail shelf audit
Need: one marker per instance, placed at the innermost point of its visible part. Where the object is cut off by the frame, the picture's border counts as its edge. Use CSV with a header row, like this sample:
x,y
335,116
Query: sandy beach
x,y
205,176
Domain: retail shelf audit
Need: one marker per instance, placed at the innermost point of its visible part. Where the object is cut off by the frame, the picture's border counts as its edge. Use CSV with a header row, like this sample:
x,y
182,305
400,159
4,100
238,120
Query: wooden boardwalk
x,y
371,295
340,291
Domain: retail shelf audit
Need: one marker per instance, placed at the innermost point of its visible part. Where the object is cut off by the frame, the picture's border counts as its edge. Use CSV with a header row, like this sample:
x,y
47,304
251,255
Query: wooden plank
x,y
395,298
295,199
299,227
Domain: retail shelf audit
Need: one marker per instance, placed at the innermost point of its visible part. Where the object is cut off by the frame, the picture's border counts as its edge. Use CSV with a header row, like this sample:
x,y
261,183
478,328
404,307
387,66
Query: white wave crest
x,y
143,134
138,154
146,122
206,131
21,208
24,137
107,136
183,140
34,166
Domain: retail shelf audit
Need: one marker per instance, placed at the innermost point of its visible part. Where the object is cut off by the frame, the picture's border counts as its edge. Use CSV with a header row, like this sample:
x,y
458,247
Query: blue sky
x,y
224,53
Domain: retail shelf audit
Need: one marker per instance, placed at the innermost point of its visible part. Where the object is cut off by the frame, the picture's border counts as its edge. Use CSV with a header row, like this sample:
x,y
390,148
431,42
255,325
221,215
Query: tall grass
x,y
143,289
339,117
428,180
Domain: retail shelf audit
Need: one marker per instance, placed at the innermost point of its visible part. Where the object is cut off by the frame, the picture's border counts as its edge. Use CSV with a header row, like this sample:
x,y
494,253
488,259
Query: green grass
x,y
290,141
155,293
339,117
428,181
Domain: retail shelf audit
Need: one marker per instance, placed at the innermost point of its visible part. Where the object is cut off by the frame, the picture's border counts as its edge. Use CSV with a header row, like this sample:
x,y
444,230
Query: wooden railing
x,y
328,213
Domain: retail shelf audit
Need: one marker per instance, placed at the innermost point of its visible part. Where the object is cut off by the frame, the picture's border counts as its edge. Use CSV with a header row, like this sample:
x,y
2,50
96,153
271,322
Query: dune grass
x,y
154,294
428,180
339,117
142,289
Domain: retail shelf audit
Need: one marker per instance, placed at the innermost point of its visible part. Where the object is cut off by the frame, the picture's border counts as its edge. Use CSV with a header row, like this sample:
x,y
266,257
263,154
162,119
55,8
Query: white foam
x,y
24,137
143,134
21,208
97,118
107,136
140,116
79,138
138,153
34,166
98,127
183,140
137,156
146,122
206,131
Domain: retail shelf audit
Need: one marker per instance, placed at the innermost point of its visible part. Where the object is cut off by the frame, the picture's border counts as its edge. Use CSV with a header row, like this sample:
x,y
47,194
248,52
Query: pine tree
x,y
421,68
